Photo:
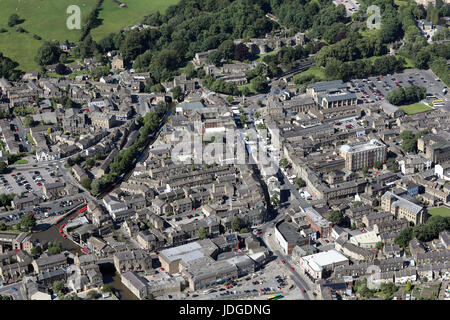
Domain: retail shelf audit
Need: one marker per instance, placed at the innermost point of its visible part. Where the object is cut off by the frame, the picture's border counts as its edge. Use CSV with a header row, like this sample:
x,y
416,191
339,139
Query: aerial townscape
x,y
225,150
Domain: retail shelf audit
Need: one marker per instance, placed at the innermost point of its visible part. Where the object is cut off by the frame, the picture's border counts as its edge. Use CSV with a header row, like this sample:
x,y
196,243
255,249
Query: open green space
x,y
415,108
21,161
44,18
318,72
440,211
47,19
115,18
261,56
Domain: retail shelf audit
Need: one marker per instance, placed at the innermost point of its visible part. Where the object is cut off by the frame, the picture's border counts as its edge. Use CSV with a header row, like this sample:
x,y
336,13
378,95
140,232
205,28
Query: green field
x,y
115,18
319,72
47,19
440,211
415,108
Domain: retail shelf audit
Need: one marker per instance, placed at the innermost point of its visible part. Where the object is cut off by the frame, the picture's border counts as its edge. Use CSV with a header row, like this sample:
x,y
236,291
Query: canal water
x,y
110,276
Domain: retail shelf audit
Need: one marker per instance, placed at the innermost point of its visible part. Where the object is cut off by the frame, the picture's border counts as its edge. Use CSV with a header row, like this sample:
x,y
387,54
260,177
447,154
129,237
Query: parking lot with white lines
x,y
376,88
26,181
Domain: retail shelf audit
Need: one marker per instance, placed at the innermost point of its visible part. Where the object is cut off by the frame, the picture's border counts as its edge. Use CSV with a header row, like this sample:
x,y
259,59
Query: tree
x,y
60,69
236,223
97,186
245,91
408,286
63,58
36,251
274,200
86,182
259,84
409,141
241,52
364,171
243,230
27,221
58,286
336,217
177,93
3,167
214,57
230,99
202,233
284,162
226,48
47,54
404,237
90,162
13,20
54,248
28,121
379,245
377,165
91,295
107,288
300,182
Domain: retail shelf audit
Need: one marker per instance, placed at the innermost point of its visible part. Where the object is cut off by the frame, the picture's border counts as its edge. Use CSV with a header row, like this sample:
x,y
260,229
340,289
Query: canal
x,y
110,276
50,233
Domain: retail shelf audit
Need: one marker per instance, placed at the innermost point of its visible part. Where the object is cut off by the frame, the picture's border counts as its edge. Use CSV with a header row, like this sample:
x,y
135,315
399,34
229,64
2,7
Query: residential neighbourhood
x,y
228,180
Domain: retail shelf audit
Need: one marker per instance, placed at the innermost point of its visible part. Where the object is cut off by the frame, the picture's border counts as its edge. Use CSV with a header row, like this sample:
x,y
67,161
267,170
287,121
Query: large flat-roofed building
x,y
288,237
319,265
363,155
335,99
171,258
208,273
323,86
403,208
196,262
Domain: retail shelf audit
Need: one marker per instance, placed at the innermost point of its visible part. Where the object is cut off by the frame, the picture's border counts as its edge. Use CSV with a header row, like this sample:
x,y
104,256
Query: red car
x,y
303,291
291,268
229,286
13,175
162,269
39,184
283,262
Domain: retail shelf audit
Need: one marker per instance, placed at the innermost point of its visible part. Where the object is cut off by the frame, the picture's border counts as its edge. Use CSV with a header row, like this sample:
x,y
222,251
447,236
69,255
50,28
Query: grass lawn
x,y
440,211
21,161
409,62
115,18
369,32
261,56
318,72
249,86
416,108
47,19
